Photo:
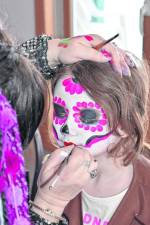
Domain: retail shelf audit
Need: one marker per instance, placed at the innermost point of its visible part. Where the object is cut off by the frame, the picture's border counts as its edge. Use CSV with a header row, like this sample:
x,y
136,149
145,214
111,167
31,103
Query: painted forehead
x,y
69,85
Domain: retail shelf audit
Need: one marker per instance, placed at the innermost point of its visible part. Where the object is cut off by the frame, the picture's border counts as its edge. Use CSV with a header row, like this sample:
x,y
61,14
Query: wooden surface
x,y
44,17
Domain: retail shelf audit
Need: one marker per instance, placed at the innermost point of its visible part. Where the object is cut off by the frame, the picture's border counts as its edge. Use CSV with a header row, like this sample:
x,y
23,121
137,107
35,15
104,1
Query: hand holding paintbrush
x,y
64,174
119,60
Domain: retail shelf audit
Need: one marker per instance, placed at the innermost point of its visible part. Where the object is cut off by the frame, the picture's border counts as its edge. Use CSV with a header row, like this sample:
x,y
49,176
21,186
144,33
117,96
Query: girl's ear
x,y
121,132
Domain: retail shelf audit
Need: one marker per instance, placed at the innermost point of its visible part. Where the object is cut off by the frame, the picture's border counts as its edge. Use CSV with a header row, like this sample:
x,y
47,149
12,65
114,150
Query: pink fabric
x,y
12,169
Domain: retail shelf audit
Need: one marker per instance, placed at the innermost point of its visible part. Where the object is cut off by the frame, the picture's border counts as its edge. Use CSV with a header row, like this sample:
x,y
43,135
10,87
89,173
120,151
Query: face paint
x,y
88,37
106,53
64,43
89,116
72,86
78,119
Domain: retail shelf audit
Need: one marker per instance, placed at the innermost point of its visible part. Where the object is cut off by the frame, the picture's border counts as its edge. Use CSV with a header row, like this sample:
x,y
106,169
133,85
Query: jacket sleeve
x,y
35,49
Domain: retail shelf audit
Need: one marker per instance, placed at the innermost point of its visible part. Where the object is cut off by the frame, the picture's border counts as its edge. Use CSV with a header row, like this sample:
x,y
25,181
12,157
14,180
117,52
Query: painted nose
x,y
65,129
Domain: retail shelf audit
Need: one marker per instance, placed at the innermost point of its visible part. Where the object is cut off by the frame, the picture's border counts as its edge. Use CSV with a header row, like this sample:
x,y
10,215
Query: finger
x,y
89,39
94,39
88,53
129,60
45,158
77,158
58,156
52,164
113,51
118,61
125,62
125,68
115,62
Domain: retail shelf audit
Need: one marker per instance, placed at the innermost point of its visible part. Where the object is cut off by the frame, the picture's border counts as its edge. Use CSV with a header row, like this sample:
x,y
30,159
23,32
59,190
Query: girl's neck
x,y
112,177
108,166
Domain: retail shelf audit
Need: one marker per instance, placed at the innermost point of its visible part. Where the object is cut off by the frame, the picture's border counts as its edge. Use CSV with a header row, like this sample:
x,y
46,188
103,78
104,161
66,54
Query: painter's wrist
x,y
53,52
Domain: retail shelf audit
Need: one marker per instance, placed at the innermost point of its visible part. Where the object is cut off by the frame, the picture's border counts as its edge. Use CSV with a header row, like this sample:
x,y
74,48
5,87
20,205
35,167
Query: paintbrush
x,y
100,45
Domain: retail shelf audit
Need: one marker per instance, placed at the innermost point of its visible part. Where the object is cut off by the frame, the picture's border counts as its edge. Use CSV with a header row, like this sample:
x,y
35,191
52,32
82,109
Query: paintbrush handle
x,y
100,45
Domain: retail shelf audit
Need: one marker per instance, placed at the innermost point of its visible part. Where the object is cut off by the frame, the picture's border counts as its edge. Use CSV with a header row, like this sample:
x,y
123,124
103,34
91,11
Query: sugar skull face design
x,y
78,118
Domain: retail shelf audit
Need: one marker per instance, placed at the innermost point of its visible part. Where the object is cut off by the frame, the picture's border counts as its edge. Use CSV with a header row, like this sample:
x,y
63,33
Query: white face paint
x,y
78,119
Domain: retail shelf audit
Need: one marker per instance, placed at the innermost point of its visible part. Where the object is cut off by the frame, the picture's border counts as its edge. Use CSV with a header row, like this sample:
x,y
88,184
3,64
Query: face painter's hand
x,y
71,50
78,48
62,182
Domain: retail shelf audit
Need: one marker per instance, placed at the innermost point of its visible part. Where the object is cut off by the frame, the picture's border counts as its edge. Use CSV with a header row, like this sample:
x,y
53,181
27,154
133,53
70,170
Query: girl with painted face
x,y
78,119
106,115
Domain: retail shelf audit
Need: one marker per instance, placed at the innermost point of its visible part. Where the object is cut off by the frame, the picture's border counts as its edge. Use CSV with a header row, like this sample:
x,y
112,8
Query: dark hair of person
x,y
24,87
123,98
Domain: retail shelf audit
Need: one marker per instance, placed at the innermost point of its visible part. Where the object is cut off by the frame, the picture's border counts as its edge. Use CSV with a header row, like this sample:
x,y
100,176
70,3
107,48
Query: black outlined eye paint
x,y
89,116
59,111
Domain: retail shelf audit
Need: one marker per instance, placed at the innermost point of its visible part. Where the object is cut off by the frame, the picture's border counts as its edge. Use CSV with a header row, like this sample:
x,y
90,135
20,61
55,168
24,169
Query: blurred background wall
x,y
27,18
19,17
62,18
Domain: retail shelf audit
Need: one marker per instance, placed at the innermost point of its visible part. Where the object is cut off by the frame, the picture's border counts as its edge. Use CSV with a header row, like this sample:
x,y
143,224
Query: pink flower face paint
x,y
80,120
72,86
64,43
89,116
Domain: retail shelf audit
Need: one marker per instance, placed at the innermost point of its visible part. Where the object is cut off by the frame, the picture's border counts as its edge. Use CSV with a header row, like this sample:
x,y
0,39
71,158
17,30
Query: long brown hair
x,y
123,98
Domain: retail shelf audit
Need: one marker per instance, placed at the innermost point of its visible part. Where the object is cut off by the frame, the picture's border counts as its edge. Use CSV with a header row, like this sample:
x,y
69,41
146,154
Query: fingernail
x,y
130,62
125,71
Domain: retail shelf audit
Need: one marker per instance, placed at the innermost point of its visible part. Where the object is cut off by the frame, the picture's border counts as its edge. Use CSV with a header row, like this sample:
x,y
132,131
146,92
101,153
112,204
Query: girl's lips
x,y
68,143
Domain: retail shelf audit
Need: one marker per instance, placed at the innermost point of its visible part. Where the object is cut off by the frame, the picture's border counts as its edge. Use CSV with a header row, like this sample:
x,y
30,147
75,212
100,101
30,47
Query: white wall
x,y
19,17
119,16
58,19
